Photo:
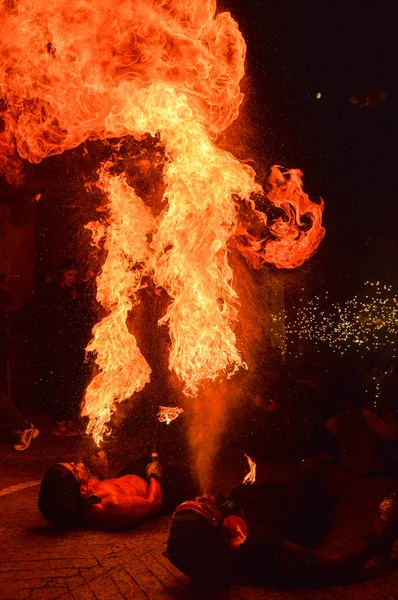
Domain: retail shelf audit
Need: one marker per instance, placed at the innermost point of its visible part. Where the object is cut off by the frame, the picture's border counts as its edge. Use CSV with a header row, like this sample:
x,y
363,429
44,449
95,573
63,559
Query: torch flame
x,y
167,414
250,478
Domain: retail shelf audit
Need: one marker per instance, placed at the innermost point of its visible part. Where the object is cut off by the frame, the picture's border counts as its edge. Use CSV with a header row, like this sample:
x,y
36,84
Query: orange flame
x,y
294,240
167,414
123,369
250,478
69,67
78,69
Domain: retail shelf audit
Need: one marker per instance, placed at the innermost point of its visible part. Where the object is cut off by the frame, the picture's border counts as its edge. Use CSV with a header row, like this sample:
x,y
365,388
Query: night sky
x,y
348,154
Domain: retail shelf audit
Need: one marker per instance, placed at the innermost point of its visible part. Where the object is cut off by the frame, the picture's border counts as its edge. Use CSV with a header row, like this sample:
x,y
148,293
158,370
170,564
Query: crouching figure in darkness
x,y
70,496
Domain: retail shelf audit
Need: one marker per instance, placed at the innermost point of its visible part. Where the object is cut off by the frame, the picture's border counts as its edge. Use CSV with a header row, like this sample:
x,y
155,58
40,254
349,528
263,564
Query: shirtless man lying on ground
x,y
70,496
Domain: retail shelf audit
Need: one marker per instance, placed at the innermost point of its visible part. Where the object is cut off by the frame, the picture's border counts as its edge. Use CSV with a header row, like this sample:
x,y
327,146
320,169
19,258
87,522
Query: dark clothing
x,y
299,511
10,413
5,303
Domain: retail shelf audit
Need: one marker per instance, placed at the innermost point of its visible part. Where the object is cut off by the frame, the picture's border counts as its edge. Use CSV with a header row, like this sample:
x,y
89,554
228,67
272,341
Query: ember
x,y
167,414
250,478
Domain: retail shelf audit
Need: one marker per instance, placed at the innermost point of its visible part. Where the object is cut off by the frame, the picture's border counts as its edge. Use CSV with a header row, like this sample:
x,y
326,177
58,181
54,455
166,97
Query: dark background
x,y
296,49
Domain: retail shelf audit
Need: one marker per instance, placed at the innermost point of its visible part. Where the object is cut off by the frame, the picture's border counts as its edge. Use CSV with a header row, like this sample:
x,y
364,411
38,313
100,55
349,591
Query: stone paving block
x,y
53,554
38,574
74,583
68,552
58,582
93,573
110,561
105,589
141,547
170,582
84,563
14,584
126,584
83,593
125,555
47,593
13,594
149,583
158,554
20,565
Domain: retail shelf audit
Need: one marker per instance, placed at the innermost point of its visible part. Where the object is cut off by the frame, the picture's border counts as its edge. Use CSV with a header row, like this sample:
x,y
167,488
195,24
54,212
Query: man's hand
x,y
387,521
154,469
385,526
98,463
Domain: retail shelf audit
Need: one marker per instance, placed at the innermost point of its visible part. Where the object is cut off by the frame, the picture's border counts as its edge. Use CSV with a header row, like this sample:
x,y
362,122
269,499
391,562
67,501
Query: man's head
x,y
67,272
60,498
200,539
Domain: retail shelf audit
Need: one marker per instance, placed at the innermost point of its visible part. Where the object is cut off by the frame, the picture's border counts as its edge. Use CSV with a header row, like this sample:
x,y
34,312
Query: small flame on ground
x,y
167,414
250,478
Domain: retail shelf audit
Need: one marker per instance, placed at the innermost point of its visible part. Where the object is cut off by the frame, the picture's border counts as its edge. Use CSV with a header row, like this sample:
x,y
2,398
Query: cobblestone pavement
x,y
38,564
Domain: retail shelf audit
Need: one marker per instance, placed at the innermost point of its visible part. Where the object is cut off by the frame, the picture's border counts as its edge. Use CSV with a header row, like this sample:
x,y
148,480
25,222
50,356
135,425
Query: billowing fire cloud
x,y
78,69
74,69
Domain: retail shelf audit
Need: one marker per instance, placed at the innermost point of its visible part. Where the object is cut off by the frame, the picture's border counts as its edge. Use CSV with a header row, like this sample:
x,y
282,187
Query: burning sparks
x,y
74,70
250,478
167,414
365,322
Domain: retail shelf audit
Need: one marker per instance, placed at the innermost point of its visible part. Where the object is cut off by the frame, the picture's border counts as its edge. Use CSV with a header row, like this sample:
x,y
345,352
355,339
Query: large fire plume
x,y
73,70
117,353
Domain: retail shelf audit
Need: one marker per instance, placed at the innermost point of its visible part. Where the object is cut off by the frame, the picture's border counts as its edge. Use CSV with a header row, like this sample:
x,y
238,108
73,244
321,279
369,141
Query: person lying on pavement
x,y
71,496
